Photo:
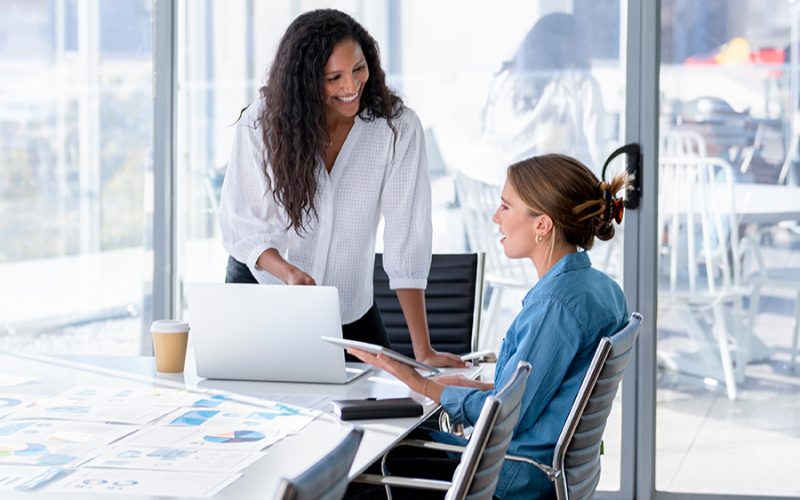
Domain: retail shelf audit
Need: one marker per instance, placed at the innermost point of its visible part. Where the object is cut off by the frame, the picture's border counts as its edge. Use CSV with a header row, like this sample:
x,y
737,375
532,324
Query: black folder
x,y
358,409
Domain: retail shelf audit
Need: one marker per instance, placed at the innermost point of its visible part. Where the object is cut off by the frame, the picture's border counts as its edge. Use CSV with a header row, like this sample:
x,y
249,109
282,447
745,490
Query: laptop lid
x,y
267,332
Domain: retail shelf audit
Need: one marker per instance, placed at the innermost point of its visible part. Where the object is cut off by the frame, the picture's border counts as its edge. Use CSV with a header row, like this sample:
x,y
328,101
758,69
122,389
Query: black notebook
x,y
357,409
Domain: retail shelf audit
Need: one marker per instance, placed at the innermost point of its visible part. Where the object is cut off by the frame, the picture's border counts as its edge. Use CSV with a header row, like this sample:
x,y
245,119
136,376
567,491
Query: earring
x,y
539,238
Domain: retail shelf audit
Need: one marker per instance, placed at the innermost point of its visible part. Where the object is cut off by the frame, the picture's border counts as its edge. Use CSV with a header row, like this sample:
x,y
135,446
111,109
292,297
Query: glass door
x,y
727,392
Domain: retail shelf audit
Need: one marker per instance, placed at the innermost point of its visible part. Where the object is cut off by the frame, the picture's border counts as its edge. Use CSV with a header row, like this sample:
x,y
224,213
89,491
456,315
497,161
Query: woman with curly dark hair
x,y
326,151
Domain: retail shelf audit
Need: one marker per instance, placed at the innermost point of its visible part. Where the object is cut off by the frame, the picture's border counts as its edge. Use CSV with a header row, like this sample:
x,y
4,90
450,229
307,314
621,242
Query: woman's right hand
x,y
297,277
272,262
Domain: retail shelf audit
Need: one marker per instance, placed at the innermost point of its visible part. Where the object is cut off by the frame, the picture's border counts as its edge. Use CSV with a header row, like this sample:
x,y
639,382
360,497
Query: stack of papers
x,y
147,441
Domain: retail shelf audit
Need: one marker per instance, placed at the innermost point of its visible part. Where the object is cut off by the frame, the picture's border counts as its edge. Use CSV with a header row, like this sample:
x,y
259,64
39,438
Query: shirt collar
x,y
570,262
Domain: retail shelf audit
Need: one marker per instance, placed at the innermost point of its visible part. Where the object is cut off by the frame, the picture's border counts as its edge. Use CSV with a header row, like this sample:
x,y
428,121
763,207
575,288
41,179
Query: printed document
x,y
283,418
10,402
142,396
88,413
143,482
252,438
184,459
64,431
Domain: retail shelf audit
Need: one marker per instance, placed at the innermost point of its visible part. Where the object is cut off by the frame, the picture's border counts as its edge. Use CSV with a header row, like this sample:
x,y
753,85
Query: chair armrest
x,y
404,482
388,480
431,445
486,355
552,473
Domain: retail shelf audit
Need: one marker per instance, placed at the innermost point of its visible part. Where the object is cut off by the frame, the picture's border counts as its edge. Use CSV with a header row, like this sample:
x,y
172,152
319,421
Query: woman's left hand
x,y
442,359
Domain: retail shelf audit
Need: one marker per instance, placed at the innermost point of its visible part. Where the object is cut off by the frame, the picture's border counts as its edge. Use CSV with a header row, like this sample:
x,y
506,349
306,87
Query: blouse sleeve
x,y
549,339
250,221
406,207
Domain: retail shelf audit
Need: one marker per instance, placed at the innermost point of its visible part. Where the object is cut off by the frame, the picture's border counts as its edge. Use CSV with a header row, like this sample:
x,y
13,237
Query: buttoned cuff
x,y
252,258
419,284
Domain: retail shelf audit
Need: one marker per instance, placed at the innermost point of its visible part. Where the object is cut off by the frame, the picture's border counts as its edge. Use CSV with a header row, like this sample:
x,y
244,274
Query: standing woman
x,y
326,151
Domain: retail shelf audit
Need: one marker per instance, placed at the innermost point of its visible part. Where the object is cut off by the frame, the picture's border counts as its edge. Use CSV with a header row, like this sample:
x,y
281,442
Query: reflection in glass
x,y
729,270
76,154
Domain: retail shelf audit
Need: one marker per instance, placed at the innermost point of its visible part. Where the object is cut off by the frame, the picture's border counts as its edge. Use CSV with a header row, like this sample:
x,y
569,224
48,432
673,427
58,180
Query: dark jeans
x,y
238,272
368,328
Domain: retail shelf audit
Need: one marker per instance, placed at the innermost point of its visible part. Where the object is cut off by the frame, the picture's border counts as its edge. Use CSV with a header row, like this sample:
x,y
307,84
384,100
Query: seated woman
x,y
552,207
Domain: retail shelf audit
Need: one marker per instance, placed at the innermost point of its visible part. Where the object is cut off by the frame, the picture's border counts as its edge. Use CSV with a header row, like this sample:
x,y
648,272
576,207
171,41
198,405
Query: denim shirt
x,y
563,318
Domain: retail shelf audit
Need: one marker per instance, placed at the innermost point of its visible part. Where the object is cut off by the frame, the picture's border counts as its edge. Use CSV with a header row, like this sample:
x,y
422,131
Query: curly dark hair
x,y
293,122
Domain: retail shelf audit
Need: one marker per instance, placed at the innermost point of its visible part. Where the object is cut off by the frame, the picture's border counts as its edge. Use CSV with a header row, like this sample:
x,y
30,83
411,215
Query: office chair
x,y
326,479
482,458
452,302
576,459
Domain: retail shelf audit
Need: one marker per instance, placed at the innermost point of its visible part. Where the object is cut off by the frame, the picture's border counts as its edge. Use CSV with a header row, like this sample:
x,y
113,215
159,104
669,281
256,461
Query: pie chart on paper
x,y
9,402
246,436
22,449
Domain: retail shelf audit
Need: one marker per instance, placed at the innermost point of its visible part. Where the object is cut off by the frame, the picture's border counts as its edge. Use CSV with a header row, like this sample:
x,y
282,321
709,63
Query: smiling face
x,y
344,77
517,225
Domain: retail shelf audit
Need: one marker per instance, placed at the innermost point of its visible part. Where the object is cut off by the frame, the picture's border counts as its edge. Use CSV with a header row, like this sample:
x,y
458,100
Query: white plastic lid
x,y
169,326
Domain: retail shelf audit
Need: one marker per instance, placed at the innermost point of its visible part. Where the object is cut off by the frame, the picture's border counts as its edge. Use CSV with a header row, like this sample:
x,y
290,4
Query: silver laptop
x,y
268,332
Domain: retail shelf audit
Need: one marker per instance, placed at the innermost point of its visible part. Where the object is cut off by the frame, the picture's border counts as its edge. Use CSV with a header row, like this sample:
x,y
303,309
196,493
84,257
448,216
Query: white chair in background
x,y
678,143
478,201
700,271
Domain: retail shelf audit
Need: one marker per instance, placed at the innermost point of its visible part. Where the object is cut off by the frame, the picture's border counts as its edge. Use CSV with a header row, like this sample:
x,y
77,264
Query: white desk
x,y
288,457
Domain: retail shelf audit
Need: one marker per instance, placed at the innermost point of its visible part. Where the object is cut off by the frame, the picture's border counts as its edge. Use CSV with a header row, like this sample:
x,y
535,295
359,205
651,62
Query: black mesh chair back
x,y
477,474
452,301
576,459
328,478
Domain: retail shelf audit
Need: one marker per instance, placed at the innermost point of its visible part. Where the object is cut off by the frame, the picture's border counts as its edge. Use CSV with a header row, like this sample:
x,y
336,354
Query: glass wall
x,y
485,101
76,156
490,85
728,398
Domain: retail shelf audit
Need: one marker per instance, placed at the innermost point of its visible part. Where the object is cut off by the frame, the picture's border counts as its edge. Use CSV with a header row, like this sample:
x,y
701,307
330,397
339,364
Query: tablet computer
x,y
377,349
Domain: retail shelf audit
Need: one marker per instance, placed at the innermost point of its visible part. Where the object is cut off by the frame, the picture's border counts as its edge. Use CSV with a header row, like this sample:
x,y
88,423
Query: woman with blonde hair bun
x,y
552,209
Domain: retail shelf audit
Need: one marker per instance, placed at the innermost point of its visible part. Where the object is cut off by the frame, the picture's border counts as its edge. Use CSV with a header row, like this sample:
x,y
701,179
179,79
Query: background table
x,y
766,203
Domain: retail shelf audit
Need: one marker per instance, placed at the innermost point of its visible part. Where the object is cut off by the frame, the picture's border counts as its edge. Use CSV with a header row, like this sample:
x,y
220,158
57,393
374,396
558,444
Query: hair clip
x,y
618,209
615,207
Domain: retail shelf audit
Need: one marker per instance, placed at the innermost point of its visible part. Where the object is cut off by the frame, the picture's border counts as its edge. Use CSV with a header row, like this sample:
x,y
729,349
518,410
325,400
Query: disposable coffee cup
x,y
169,343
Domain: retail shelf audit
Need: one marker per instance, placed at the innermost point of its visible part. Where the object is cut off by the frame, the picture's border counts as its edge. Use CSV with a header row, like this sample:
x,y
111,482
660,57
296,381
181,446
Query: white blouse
x,y
370,177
